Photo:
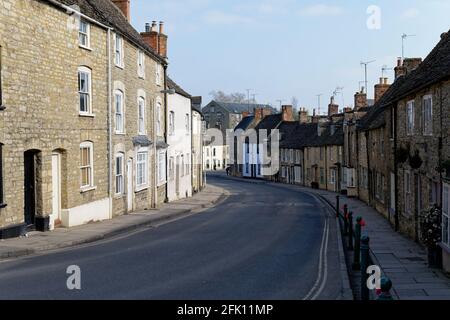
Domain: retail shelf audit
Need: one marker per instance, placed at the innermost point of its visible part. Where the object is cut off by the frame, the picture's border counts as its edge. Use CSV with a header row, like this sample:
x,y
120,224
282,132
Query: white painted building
x,y
179,139
215,157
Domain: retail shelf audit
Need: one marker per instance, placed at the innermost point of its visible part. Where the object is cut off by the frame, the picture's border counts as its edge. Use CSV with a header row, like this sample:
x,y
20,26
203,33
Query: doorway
x,y
130,185
31,176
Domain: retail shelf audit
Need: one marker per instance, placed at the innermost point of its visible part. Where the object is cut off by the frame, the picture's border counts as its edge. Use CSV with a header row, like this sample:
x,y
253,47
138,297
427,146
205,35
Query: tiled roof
x,y
172,85
107,13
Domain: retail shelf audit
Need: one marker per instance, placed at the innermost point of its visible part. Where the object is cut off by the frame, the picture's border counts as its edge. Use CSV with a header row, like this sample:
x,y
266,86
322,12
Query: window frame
x,y
142,126
83,70
162,179
141,64
119,174
427,126
158,118
86,34
410,117
142,163
121,94
119,52
89,145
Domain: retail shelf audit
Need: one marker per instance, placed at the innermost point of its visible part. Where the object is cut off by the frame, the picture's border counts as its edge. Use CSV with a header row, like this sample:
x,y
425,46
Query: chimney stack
x,y
381,88
406,66
287,113
124,6
360,99
303,115
333,108
157,40
259,114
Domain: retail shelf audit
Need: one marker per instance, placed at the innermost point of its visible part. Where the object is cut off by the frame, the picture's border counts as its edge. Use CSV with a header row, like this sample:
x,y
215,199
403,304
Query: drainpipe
x,y
110,146
165,131
394,117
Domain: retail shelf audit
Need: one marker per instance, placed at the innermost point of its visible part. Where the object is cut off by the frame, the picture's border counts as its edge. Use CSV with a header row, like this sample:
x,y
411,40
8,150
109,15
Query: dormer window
x,y
84,34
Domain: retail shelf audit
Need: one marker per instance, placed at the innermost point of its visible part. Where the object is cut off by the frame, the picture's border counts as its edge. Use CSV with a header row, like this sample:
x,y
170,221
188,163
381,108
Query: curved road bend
x,y
263,242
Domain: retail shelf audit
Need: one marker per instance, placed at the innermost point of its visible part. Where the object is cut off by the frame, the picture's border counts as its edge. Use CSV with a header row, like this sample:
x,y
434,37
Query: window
x,y
427,115
142,169
171,123
333,177
171,168
322,174
86,165
119,112
187,124
410,118
446,216
119,174
407,189
84,34
141,64
1,175
161,167
158,75
119,51
141,116
84,89
158,118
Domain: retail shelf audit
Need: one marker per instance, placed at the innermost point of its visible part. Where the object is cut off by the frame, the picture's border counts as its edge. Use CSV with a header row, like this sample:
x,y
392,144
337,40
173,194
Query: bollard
x,y
350,231
364,265
337,206
345,220
356,257
386,286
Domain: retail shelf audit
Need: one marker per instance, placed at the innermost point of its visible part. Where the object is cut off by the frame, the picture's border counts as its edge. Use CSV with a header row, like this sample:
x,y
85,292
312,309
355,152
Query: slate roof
x,y
299,136
172,85
107,13
239,107
245,123
270,122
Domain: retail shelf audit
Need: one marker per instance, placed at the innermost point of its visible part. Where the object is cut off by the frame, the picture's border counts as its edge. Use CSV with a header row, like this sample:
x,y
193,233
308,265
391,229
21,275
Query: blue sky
x,y
285,48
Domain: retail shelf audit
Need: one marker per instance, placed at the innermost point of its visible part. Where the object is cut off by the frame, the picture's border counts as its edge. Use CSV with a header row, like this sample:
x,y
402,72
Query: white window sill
x,y
120,66
85,47
141,77
87,115
120,133
141,188
87,189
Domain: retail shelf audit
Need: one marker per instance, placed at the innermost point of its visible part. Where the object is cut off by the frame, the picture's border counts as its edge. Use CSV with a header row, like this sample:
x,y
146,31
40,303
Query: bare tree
x,y
235,97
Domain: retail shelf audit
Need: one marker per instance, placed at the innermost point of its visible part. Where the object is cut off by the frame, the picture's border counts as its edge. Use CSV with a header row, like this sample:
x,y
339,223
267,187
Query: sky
x,y
285,48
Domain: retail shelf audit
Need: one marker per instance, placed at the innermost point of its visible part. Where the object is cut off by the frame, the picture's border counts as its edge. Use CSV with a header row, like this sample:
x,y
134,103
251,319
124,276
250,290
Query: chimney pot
x,y
161,27
154,25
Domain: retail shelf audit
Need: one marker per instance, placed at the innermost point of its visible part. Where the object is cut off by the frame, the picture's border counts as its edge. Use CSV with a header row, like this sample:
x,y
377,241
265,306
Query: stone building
x,y
79,146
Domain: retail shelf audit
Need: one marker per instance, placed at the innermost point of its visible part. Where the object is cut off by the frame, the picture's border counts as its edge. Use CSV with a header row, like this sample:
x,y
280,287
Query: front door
x,y
130,185
56,185
30,187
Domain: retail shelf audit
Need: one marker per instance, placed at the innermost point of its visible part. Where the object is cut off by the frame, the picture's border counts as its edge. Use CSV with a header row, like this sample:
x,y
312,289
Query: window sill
x,y
87,189
141,77
87,115
142,188
120,133
120,67
85,47
3,205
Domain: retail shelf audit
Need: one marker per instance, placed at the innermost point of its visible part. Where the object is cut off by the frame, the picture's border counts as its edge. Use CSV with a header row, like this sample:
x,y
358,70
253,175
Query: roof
x,y
270,122
172,85
435,68
238,107
107,13
245,123
299,136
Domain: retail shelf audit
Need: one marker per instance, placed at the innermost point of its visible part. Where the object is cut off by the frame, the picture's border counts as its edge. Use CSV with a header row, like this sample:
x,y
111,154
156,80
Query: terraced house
x,y
80,145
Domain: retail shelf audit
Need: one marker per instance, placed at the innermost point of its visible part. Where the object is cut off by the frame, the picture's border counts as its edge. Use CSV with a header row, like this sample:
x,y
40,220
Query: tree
x,y
235,97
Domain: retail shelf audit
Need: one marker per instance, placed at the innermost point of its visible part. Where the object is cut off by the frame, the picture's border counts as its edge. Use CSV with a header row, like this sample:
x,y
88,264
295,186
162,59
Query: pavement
x,y
37,242
401,259
263,242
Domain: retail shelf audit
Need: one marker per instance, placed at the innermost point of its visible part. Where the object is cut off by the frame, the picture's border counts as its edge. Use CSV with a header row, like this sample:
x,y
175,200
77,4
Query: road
x,y
263,242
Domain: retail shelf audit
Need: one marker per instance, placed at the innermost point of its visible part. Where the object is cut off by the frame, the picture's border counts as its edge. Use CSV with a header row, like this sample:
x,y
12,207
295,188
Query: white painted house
x,y
179,139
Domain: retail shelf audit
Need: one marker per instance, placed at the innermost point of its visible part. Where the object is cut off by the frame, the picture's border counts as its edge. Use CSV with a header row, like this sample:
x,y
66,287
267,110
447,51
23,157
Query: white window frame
x,y
84,34
119,112
162,167
119,174
141,64
142,128
332,176
446,215
158,118
86,92
142,164
410,117
118,51
90,166
427,115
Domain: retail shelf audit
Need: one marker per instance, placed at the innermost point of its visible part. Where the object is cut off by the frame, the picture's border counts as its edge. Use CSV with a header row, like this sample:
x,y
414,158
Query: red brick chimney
x,y
259,114
333,108
124,6
288,113
360,99
156,40
381,88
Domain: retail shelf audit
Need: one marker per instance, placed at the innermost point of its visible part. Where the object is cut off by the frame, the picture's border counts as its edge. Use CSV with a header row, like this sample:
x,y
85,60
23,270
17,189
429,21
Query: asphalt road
x,y
263,242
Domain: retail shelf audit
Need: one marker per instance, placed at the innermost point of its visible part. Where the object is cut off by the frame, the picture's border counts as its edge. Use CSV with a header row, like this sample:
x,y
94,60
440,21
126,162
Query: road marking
x,y
323,266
